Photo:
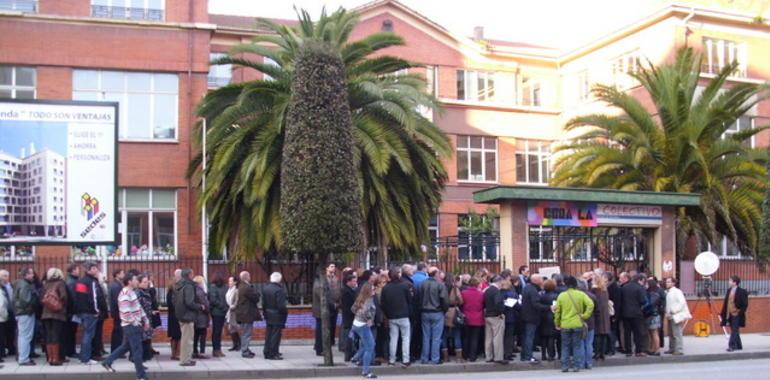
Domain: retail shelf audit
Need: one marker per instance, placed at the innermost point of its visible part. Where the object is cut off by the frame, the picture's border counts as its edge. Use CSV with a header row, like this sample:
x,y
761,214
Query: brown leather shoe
x,y
218,354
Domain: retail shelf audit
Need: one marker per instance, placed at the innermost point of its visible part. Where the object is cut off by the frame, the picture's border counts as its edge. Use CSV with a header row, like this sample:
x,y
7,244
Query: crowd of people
x,y
419,313
51,310
404,314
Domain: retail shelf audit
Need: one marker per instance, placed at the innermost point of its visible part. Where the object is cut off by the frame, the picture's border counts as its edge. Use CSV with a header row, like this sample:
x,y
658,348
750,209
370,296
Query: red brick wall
x,y
756,318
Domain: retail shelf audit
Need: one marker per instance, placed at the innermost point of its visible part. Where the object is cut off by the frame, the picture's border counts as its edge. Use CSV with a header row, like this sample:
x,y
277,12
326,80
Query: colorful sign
x,y
637,215
58,172
550,213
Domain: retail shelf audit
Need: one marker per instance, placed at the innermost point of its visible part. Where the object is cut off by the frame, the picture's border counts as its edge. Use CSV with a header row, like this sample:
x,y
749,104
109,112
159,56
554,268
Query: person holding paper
x,y
677,313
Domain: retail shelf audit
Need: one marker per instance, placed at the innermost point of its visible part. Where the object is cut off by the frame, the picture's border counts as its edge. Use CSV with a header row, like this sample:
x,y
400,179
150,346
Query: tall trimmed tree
x,y
321,198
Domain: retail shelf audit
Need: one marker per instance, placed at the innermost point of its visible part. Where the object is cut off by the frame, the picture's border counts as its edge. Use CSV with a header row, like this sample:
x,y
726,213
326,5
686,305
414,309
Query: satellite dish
x,y
706,263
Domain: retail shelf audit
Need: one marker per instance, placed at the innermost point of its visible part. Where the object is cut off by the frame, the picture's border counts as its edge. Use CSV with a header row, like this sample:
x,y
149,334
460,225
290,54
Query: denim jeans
x,y
588,349
399,326
25,332
432,327
530,329
246,336
735,333
455,334
88,324
365,347
132,340
571,343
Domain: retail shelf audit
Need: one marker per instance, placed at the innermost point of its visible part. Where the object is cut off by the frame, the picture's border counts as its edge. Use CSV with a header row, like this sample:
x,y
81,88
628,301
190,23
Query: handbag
x,y
459,320
580,315
51,301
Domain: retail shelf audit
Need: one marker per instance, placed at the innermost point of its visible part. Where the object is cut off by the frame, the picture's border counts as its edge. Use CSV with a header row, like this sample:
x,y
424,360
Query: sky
x,y
19,134
563,24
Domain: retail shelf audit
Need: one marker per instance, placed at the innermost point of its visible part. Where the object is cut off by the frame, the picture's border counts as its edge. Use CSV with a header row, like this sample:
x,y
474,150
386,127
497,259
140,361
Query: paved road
x,y
737,369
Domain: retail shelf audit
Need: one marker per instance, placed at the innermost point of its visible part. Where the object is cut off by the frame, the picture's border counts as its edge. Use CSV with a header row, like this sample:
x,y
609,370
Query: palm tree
x,y
681,146
398,151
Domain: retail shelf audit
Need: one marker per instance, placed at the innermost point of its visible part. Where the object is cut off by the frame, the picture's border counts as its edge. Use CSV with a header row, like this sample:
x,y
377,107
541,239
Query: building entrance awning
x,y
504,194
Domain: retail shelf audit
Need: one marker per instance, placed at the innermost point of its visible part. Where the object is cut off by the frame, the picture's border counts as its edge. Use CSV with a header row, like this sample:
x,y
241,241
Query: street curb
x,y
345,370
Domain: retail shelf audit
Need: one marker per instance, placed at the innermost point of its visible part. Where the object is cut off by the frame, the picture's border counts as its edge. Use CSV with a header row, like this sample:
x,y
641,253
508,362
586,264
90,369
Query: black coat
x,y
395,299
115,288
247,309
275,304
186,305
346,302
741,303
173,329
493,302
532,308
615,295
87,291
633,298
547,324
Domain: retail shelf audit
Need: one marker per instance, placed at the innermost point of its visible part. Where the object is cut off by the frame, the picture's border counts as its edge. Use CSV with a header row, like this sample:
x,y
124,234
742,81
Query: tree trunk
x,y
326,342
382,253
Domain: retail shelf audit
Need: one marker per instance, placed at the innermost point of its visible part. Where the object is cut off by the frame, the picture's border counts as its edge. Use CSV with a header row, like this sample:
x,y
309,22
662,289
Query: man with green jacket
x,y
572,309
25,304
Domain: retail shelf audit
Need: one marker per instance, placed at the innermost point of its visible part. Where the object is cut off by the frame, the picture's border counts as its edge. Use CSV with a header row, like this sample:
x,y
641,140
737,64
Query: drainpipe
x,y
685,21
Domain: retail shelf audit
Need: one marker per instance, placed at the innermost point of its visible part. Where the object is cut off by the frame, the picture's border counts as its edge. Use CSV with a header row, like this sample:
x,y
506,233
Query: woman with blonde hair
x,y
365,310
54,301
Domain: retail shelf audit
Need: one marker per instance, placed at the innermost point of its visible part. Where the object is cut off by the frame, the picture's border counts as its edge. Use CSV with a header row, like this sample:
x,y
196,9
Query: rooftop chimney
x,y
478,33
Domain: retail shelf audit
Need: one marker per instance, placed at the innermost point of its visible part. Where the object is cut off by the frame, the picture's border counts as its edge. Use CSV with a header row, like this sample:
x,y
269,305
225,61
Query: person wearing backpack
x,y
25,303
55,300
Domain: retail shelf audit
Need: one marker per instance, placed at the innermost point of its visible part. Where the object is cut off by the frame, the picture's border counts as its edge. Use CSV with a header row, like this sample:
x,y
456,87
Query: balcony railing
x,y
126,13
706,68
19,5
216,82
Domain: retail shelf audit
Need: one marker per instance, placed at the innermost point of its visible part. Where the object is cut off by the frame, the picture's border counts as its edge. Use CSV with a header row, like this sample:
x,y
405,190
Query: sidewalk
x,y
301,362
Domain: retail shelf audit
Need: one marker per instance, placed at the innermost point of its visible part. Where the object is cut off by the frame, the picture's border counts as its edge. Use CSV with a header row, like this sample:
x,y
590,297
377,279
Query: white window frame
x,y
123,227
215,79
14,5
584,86
431,80
124,93
543,152
11,254
722,253
623,64
471,86
469,246
14,87
483,150
271,62
716,62
145,7
741,128
533,88
540,230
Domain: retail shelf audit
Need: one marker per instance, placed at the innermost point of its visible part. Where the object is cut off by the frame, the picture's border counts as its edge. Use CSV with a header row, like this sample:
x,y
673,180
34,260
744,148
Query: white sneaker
x,y
91,362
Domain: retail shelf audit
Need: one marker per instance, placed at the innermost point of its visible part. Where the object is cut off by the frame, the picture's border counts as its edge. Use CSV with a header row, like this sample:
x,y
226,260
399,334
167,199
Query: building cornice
x,y
161,25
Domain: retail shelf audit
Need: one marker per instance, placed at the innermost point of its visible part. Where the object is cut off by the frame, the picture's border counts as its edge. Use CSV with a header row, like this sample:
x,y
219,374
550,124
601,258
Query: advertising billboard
x,y
58,172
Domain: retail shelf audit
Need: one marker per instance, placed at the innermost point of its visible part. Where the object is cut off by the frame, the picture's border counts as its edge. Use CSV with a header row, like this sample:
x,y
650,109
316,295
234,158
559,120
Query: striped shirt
x,y
131,312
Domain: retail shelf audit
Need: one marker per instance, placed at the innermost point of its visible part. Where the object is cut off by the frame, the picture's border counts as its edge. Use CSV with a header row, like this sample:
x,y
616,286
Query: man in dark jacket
x,y
115,287
531,314
69,331
275,305
89,303
186,308
347,299
494,321
246,312
433,304
734,312
633,298
395,299
25,304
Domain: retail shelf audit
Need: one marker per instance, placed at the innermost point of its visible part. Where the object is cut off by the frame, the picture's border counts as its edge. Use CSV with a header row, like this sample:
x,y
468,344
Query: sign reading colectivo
x,y
58,172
